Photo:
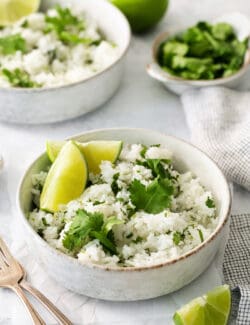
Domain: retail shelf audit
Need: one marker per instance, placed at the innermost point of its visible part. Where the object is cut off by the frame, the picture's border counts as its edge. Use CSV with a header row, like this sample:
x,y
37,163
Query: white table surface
x,y
140,102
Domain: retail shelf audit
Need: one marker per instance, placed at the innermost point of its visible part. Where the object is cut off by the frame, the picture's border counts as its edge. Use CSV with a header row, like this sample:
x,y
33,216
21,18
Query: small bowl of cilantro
x,y
206,54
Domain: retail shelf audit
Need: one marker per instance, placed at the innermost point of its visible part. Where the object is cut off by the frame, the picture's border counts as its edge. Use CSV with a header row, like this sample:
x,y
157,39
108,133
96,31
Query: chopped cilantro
x,y
210,203
154,198
25,24
157,167
130,211
97,203
201,235
138,240
87,226
44,221
40,232
19,78
143,151
178,237
67,27
129,235
114,185
11,44
203,51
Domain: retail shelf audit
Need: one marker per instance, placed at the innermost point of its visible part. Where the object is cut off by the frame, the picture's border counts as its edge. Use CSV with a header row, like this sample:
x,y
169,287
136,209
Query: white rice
x,y
143,239
51,62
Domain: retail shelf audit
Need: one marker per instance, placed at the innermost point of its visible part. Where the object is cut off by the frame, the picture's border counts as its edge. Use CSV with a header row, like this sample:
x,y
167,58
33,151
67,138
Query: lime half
x,y
142,14
94,152
13,10
210,309
66,179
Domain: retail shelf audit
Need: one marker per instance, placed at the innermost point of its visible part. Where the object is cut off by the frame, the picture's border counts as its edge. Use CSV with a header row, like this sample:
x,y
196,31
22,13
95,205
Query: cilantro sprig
x,y
19,78
87,226
66,26
210,203
12,43
178,237
153,198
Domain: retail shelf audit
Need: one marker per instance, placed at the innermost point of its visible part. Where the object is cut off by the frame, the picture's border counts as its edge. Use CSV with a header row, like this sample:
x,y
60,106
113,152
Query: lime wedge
x,y
66,179
210,309
13,10
53,148
97,151
94,152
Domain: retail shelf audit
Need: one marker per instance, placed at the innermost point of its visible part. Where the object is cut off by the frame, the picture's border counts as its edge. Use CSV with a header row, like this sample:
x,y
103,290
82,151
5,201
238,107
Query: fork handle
x,y
62,319
36,318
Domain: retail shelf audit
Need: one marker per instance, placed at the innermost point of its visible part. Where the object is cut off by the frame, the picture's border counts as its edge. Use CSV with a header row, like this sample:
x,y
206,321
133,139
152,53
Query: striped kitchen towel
x,y
219,122
236,268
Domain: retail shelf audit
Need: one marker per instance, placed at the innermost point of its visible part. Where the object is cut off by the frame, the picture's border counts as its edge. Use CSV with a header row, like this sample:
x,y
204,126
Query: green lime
x,y
94,152
210,309
53,148
142,14
66,179
12,10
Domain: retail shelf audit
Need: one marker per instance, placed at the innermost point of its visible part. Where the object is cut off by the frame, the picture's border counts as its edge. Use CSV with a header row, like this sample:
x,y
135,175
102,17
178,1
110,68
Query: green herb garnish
x,y
19,78
203,51
67,27
11,44
201,235
153,198
210,203
87,226
178,237
114,185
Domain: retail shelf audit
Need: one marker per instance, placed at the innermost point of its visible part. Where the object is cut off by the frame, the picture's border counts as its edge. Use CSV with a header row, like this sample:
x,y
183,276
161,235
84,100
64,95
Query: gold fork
x,y
12,276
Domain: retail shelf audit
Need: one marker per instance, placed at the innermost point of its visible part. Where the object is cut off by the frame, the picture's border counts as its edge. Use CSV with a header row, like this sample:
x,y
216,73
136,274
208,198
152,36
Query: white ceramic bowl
x,y
177,84
46,105
132,283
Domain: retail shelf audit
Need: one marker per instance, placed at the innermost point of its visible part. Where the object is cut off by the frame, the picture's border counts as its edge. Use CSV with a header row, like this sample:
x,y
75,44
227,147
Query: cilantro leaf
x,y
87,226
201,235
81,226
67,27
154,198
157,167
19,78
12,43
104,240
178,237
203,51
114,185
222,31
110,223
210,203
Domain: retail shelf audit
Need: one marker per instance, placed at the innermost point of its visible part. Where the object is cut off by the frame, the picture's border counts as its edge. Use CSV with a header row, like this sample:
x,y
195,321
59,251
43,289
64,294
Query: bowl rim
x,y
79,82
168,262
159,39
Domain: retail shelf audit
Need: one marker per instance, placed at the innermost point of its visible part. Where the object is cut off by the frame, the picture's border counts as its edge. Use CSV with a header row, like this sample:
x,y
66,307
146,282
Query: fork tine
x,y
9,258
3,264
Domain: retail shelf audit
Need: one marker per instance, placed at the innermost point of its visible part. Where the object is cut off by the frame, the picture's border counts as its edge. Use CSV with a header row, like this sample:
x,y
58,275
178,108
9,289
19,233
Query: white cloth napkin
x,y
219,122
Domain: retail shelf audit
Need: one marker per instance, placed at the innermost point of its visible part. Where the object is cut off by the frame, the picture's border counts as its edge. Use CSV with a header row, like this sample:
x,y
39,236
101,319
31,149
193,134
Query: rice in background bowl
x,y
58,103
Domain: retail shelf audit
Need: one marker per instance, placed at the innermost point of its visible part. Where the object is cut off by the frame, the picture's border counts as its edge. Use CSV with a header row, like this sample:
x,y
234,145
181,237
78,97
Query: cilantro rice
x,y
59,47
137,212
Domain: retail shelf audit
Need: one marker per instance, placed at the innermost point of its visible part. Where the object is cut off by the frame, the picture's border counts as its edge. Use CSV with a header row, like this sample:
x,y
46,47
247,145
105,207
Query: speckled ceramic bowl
x,y
47,105
132,283
178,85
